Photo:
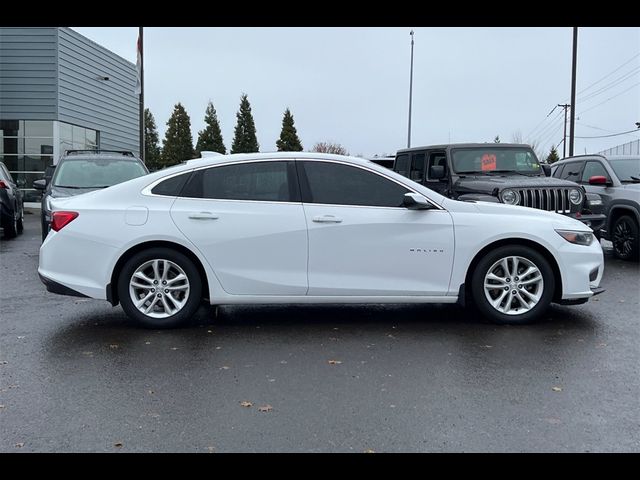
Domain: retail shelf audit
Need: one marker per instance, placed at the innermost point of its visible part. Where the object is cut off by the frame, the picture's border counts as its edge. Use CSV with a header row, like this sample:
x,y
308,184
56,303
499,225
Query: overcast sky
x,y
351,85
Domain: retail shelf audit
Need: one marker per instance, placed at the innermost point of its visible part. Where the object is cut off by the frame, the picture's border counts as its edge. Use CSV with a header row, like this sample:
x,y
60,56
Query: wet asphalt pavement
x,y
76,377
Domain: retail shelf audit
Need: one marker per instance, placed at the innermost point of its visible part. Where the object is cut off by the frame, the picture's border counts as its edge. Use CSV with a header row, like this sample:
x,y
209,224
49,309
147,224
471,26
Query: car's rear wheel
x,y
160,288
11,224
513,285
625,238
20,221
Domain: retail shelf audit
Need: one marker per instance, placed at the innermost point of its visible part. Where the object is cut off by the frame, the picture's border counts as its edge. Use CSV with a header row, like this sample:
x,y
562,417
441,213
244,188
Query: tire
x,y
624,236
44,227
20,222
176,264
11,225
536,295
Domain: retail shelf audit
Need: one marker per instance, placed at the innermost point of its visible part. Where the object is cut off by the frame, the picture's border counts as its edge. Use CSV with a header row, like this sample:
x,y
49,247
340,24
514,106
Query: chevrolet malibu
x,y
309,228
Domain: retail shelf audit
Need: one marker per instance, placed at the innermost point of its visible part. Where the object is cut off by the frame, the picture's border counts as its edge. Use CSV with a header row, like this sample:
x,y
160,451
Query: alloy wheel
x,y
159,288
513,285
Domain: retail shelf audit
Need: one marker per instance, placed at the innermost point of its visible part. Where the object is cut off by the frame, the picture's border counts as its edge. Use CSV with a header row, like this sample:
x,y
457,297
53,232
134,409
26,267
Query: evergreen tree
x,y
289,141
178,143
497,139
210,139
553,156
244,140
151,141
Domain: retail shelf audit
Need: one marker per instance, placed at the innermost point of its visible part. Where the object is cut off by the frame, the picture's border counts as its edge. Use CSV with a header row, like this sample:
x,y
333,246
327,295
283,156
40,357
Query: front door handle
x,y
327,219
203,216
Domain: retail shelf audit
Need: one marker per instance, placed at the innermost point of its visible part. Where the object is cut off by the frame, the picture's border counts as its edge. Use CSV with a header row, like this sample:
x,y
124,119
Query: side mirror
x,y
546,168
598,180
415,201
40,184
436,172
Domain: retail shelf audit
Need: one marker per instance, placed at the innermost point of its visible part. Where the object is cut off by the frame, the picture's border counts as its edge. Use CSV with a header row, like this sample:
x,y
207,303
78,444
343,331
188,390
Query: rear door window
x,y
572,171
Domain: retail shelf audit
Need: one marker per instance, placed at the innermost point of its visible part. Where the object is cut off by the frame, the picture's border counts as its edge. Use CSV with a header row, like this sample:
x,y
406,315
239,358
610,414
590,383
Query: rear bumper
x,y
55,287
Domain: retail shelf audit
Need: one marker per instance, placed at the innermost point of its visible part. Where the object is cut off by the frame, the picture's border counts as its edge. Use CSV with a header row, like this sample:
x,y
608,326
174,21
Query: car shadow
x,y
110,332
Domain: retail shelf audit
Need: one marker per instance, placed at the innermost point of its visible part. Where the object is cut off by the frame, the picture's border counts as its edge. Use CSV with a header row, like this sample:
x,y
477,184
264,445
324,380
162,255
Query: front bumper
x,y
595,221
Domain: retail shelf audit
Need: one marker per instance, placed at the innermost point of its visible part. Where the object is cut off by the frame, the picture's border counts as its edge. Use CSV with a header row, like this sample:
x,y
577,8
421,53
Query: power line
x,y
595,128
610,98
614,134
610,85
543,120
545,129
609,74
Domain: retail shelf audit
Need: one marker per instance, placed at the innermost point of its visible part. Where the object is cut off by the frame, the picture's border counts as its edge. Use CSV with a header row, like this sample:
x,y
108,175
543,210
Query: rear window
x,y
171,186
96,172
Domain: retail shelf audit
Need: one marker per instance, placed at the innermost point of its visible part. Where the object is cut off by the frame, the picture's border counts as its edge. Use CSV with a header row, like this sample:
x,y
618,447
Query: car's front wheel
x,y
625,238
159,288
513,285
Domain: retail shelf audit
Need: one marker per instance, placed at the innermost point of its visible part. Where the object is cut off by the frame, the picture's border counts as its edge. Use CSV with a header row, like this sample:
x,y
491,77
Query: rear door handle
x,y
203,216
327,219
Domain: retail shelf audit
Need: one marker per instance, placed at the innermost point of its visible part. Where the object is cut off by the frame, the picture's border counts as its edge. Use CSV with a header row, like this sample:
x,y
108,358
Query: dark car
x,y
82,171
617,180
497,172
11,204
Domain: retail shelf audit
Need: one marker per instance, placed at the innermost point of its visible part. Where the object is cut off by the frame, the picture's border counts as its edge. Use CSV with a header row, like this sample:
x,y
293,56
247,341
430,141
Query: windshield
x,y
95,172
626,169
487,160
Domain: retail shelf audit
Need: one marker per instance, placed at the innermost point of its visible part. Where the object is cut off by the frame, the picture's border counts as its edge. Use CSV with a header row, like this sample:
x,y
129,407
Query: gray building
x,y
60,91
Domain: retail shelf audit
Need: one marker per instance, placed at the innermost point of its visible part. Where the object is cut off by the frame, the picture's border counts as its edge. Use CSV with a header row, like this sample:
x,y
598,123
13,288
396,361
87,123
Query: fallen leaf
x,y
265,408
486,346
272,379
392,406
390,336
114,346
20,445
87,353
283,362
556,389
218,348
150,392
147,343
21,336
3,362
209,331
118,444
224,367
1,406
174,348
334,362
368,450
600,345
211,449
246,404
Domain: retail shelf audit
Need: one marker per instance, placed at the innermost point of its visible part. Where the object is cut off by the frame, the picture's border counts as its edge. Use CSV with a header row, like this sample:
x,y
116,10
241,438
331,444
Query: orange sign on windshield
x,y
489,161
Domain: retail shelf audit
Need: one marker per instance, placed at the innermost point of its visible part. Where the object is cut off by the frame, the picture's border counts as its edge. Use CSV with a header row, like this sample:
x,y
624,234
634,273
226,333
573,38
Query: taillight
x,y
3,184
60,219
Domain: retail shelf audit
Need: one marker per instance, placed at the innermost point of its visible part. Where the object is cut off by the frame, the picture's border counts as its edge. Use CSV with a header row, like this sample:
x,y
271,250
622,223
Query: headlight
x,y
575,196
579,238
510,197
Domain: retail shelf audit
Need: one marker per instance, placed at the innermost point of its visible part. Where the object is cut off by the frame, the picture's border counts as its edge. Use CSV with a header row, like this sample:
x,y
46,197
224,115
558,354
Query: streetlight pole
x,y
410,93
573,90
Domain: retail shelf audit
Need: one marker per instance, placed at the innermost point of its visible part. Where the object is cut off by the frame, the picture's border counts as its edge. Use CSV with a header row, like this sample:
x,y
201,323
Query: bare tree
x,y
516,137
329,147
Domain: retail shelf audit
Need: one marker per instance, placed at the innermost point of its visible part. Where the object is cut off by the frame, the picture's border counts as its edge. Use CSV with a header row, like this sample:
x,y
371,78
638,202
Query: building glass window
x,y
27,146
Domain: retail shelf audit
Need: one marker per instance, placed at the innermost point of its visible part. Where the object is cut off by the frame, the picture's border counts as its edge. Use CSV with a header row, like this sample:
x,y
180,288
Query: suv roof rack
x,y
126,153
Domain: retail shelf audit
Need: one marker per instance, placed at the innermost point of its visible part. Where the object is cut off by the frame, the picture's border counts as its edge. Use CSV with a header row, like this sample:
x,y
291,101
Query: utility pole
x,y
564,138
573,90
410,93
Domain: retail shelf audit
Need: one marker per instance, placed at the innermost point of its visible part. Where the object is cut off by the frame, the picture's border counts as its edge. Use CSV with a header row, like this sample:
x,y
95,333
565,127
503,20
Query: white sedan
x,y
309,228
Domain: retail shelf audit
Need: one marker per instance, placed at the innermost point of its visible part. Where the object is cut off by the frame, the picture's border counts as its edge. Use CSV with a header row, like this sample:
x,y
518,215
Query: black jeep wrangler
x,y
497,172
